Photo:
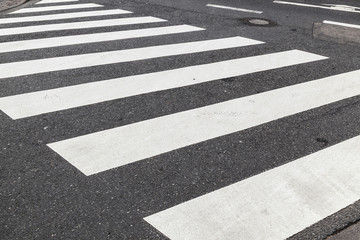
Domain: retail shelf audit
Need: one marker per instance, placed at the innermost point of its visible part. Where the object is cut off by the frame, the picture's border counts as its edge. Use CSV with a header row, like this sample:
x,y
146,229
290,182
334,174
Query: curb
x,y
337,32
9,4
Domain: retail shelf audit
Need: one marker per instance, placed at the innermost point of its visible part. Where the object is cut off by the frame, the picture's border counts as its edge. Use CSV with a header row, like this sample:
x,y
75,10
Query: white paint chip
x,y
273,205
97,152
35,103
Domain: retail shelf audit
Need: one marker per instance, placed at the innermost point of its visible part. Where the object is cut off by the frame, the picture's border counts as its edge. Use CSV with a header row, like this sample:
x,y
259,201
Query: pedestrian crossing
x,y
79,25
248,209
272,205
57,8
159,135
15,69
35,103
93,38
63,16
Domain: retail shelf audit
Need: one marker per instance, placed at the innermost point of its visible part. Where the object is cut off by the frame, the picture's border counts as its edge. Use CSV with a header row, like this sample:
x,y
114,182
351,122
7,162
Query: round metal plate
x,y
260,22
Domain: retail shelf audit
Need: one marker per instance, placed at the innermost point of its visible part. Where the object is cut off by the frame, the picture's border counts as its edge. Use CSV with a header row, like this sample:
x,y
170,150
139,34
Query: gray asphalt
x,y
45,197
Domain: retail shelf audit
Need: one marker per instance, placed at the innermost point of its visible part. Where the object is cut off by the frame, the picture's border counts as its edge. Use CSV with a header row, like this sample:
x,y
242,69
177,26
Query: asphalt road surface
x,y
186,119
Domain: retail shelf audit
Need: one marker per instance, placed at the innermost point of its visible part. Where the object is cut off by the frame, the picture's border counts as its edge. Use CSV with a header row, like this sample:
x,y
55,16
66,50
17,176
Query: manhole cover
x,y
261,22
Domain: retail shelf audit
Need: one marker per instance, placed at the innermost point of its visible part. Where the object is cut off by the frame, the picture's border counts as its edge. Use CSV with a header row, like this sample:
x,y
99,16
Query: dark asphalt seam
x,y
351,223
332,111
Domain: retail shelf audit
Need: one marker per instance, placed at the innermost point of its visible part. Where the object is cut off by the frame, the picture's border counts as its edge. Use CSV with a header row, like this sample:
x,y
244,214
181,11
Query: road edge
x,y
336,33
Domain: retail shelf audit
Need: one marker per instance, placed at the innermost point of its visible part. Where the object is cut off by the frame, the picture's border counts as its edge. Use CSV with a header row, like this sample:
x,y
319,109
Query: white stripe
x,y
56,8
31,104
273,205
92,38
235,9
338,6
63,16
316,6
342,24
97,152
102,58
79,25
55,1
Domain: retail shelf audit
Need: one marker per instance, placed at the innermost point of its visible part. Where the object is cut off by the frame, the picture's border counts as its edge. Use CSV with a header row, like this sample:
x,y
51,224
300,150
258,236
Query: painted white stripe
x,y
31,104
79,25
63,16
342,24
273,205
317,6
119,56
56,8
235,9
92,38
338,6
97,152
55,1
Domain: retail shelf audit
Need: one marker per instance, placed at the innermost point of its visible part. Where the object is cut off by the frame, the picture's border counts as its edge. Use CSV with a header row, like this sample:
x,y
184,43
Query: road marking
x,y
342,24
100,151
63,16
318,6
79,25
275,204
102,58
35,103
235,9
347,7
56,8
92,38
55,1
